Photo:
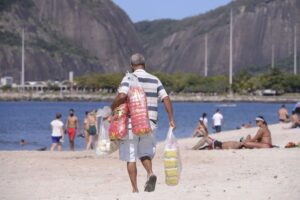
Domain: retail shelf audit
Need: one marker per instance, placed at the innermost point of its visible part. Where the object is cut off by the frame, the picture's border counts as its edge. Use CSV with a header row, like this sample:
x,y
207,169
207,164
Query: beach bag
x,y
138,108
119,123
104,146
172,161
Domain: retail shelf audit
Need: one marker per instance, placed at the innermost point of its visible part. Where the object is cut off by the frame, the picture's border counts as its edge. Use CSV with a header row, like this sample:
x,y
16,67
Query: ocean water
x,y
31,120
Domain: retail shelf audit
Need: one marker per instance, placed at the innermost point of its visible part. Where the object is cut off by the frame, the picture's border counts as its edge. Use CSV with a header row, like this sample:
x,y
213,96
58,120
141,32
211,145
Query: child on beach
x,y
57,133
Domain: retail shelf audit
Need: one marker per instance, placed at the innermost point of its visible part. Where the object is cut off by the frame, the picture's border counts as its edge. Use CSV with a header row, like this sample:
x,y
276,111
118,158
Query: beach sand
x,y
212,174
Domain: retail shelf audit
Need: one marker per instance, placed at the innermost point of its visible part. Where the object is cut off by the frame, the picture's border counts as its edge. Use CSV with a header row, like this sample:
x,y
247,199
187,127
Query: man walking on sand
x,y
142,147
72,125
217,120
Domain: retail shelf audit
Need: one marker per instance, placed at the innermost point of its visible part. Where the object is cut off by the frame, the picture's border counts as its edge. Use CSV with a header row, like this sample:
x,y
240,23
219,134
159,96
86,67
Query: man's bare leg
x,y
151,178
72,145
147,163
132,172
231,145
52,147
258,145
204,140
59,147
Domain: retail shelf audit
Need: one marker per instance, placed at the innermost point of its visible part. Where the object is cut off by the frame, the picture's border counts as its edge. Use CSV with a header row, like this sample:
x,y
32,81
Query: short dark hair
x,y
58,115
72,110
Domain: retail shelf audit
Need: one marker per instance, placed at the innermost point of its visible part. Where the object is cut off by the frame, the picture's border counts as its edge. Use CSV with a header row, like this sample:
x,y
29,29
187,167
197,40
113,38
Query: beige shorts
x,y
131,150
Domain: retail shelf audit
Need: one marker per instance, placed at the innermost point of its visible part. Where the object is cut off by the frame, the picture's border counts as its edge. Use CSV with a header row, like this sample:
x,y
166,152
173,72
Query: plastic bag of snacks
x,y
119,123
137,103
172,162
104,146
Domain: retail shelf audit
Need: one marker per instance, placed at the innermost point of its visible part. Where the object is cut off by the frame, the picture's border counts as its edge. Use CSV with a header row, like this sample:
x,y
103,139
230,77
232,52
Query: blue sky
x,y
139,10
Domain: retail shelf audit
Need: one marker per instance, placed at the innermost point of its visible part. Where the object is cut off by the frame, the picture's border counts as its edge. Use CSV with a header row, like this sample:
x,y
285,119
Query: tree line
x,y
243,82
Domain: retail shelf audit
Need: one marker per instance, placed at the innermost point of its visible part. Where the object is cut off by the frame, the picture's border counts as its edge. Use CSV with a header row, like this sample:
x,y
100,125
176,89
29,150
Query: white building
x,y
7,81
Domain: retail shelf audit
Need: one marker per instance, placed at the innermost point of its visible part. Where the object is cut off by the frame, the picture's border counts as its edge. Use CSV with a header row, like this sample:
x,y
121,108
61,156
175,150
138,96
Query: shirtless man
x,y
72,125
283,114
262,139
92,129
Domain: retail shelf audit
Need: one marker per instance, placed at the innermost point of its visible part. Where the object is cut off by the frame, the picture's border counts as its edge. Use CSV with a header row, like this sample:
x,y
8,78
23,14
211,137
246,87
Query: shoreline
x,y
208,174
14,96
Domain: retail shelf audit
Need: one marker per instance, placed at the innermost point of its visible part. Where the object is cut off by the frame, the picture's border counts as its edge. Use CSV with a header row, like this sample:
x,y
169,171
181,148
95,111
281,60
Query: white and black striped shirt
x,y
152,87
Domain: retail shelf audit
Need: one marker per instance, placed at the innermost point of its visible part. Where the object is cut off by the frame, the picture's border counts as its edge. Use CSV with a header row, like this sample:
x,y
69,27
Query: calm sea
x,y
31,120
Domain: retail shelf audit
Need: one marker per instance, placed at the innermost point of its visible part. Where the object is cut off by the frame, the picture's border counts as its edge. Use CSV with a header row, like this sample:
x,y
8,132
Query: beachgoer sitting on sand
x,y
213,143
262,139
201,130
295,121
216,144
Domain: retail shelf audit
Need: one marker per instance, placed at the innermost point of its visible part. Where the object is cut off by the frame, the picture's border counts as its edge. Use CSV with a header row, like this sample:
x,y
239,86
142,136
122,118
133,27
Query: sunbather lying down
x,y
216,144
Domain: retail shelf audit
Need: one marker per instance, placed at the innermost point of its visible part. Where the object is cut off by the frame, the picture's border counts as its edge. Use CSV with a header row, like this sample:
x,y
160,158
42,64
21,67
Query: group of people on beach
x,y
71,127
293,121
143,148
133,147
262,139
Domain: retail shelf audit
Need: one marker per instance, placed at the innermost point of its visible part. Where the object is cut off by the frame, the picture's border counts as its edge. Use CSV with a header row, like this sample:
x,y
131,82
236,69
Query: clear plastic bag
x,y
119,123
172,161
104,146
138,108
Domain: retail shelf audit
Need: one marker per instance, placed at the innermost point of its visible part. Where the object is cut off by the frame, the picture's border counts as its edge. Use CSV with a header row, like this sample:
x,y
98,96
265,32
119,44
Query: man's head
x,y
71,111
137,61
58,115
218,110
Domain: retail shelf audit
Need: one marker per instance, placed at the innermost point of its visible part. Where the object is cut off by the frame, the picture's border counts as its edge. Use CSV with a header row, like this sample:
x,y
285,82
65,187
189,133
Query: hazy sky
x,y
139,10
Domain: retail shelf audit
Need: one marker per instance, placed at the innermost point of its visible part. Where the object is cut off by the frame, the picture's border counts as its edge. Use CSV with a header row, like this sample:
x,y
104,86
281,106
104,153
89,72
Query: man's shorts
x,y
218,129
71,133
55,139
138,146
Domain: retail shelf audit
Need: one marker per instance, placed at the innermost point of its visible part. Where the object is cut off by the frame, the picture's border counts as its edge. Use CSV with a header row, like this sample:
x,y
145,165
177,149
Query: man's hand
x,y
172,124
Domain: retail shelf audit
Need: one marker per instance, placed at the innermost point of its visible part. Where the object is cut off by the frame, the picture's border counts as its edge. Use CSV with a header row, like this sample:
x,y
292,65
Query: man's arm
x,y
169,109
120,99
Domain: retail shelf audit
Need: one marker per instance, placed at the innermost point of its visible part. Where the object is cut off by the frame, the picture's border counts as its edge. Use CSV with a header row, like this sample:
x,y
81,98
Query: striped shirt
x,y
153,89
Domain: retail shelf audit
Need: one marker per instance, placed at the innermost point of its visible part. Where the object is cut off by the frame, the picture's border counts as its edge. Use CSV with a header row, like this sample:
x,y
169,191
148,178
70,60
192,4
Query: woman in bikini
x,y
262,139
213,143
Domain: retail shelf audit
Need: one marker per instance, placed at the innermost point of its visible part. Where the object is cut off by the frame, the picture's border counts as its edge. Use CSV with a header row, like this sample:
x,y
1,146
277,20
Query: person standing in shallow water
x,y
72,125
283,114
142,148
92,129
217,121
57,133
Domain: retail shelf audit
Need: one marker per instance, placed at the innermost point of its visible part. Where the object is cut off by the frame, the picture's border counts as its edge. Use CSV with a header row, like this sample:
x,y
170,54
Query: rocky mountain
x,y
87,36
179,45
83,36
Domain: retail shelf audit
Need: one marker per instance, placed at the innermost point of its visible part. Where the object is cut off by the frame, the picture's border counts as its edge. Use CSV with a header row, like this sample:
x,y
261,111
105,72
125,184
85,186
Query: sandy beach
x,y
211,174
